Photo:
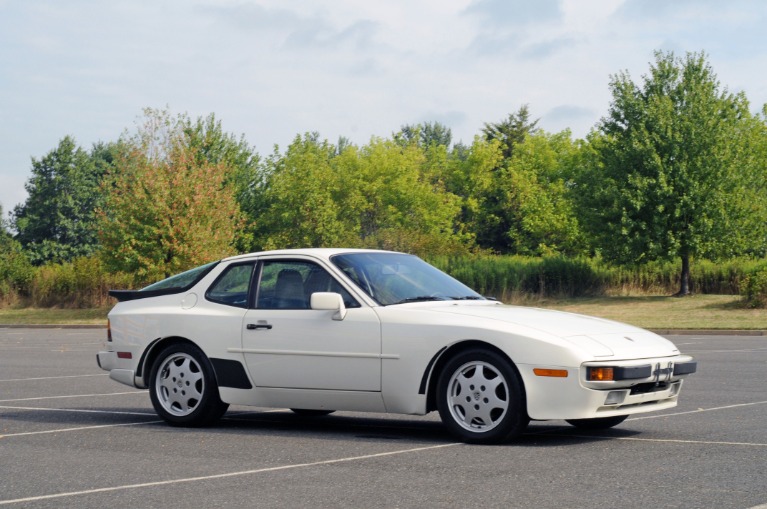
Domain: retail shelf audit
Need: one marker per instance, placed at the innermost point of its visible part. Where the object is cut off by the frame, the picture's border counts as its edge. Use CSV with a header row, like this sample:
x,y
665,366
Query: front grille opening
x,y
649,387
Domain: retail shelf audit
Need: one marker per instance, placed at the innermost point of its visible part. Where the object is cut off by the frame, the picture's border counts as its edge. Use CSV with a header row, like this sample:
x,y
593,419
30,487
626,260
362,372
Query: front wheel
x,y
481,399
598,422
183,387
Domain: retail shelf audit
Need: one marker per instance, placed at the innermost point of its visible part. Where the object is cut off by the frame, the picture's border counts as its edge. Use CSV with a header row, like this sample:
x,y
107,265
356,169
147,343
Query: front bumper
x,y
645,385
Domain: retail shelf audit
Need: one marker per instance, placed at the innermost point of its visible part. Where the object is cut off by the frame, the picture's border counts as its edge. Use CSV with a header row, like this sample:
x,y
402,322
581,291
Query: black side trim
x,y
425,377
632,372
685,368
230,373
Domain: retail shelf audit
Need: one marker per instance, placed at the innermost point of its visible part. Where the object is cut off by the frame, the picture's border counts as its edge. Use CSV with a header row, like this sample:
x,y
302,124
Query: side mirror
x,y
329,301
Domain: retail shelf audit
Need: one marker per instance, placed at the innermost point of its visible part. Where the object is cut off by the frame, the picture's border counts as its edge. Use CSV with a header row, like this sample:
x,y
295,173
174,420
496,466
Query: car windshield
x,y
393,278
181,281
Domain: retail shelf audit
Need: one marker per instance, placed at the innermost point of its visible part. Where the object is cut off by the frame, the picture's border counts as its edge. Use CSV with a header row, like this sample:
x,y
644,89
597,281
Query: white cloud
x,y
516,13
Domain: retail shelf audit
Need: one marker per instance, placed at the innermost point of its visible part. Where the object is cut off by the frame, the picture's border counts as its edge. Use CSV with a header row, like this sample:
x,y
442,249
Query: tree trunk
x,y
684,287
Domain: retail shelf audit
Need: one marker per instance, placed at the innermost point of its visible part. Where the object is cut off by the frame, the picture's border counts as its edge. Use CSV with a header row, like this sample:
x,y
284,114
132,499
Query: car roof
x,y
318,252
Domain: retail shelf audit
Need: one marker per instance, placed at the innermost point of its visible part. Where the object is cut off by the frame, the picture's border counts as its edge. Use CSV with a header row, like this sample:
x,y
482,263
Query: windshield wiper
x,y
467,297
421,298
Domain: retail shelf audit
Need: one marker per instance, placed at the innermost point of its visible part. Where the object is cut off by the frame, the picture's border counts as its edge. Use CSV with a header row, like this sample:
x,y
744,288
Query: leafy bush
x,y
754,288
16,271
82,283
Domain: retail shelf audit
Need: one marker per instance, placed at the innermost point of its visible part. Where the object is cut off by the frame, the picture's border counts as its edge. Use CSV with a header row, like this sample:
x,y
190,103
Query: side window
x,y
231,287
290,285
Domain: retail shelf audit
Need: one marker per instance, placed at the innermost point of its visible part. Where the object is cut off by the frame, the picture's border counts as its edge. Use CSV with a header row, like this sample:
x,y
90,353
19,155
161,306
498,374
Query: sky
x,y
272,69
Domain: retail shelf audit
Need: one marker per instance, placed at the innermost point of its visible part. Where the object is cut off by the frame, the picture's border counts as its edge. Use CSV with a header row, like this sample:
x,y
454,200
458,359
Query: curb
x,y
708,332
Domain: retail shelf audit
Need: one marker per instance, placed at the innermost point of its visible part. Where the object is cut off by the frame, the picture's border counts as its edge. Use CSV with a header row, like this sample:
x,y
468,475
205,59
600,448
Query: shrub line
x,y
661,332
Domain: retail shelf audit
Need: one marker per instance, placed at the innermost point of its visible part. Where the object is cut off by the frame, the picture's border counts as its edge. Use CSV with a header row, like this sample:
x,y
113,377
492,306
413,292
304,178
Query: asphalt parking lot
x,y
70,437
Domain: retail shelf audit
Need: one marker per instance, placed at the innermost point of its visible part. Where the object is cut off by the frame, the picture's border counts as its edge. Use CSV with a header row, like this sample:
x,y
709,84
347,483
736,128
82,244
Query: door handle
x,y
256,326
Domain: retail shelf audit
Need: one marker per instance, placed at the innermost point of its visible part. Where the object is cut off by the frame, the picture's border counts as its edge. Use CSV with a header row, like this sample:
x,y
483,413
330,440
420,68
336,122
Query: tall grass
x,y
507,277
510,277
84,283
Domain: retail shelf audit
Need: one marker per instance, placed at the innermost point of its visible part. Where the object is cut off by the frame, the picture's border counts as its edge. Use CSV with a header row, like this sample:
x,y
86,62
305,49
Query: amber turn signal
x,y
556,373
600,374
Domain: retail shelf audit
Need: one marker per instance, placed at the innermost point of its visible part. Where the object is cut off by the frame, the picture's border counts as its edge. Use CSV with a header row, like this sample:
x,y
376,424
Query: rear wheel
x,y
183,387
598,422
480,398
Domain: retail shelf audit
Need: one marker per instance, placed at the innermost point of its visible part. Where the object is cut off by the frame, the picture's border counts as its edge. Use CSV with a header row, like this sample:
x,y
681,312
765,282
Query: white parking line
x,y
700,410
45,432
50,377
76,410
225,475
745,350
72,396
76,429
664,440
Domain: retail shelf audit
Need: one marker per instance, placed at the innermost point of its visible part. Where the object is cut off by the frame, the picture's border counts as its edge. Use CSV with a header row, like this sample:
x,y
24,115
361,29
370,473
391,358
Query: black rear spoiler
x,y
126,295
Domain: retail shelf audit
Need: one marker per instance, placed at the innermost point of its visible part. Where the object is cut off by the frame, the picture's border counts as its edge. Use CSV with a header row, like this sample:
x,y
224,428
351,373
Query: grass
x,y
651,312
724,312
54,316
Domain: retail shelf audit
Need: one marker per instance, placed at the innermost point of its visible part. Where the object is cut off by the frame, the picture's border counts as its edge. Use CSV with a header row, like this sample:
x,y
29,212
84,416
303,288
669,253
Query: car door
x,y
288,345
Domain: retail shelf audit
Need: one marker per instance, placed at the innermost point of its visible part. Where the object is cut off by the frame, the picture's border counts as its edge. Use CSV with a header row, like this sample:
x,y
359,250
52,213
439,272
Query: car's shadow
x,y
413,429
284,424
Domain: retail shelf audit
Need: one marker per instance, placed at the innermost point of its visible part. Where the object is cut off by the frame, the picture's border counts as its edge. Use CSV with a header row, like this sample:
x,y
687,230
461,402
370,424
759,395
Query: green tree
x,y
493,230
537,203
511,131
56,222
300,196
520,204
212,145
167,208
425,135
674,176
382,195
404,203
3,228
472,175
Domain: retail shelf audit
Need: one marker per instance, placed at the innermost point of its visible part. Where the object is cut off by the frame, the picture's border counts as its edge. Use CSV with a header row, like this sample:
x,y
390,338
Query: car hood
x,y
600,337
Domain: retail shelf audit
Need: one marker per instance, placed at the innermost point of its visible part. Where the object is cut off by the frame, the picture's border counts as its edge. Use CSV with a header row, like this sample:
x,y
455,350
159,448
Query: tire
x,y
481,399
598,423
303,412
183,387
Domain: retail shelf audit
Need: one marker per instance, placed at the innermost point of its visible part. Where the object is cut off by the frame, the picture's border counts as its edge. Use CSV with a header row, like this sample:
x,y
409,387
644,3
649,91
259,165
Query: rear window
x,y
181,281
231,288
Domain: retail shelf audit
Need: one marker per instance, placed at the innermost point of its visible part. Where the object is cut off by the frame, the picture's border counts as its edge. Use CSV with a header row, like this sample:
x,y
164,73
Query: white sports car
x,y
318,330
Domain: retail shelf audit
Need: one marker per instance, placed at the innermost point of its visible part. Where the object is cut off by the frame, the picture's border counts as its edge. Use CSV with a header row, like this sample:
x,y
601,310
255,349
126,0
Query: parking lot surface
x,y
71,437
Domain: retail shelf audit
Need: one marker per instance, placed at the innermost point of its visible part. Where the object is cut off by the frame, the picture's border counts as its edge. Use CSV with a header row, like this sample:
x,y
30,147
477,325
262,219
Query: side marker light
x,y
556,373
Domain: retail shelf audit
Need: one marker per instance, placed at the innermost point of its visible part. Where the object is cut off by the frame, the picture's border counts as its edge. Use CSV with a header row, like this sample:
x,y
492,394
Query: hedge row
x,y
84,283
505,277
